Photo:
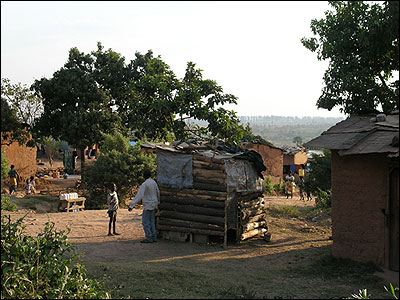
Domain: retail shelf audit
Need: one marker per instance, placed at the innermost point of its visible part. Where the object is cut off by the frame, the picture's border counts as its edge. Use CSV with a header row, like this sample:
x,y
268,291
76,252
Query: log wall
x,y
201,209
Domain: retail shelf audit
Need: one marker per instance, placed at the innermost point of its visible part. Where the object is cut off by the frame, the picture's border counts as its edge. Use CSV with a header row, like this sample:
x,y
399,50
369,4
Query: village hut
x,y
365,188
272,157
209,195
294,159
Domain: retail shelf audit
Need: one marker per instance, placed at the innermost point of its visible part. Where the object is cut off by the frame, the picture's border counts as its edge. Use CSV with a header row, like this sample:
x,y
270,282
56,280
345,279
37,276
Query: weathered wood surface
x,y
207,165
254,225
192,209
252,204
208,173
191,230
193,196
189,224
250,212
249,197
252,233
208,159
218,194
209,187
252,219
216,181
192,217
192,201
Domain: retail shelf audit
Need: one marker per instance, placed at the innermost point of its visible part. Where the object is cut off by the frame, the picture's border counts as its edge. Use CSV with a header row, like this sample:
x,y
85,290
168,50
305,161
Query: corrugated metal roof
x,y
360,135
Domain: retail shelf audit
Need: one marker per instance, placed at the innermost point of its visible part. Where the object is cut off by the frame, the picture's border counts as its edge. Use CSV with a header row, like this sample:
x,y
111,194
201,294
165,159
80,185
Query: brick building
x,y
272,157
365,188
293,159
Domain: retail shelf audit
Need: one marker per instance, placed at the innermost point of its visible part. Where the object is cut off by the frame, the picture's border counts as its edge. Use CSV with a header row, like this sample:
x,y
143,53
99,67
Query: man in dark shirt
x,y
13,174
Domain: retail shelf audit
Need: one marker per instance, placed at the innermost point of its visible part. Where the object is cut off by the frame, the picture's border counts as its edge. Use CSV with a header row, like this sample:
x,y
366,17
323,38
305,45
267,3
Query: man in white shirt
x,y
150,196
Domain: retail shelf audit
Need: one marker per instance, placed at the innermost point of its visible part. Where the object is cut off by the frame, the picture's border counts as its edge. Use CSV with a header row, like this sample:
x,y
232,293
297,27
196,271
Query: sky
x,y
252,49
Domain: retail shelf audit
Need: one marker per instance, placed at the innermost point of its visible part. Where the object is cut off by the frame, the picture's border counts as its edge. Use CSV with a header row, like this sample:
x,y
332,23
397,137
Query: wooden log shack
x,y
209,195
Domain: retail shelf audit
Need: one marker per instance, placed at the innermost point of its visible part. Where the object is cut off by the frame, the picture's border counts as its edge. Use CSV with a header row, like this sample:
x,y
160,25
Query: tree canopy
x,y
99,93
19,110
361,41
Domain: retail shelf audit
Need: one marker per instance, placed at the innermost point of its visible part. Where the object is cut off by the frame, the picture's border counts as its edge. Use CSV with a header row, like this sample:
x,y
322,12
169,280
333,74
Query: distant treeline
x,y
281,130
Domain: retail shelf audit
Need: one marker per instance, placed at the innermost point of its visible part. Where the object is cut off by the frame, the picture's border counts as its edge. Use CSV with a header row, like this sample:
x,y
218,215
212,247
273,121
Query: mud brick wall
x,y
272,157
23,158
359,193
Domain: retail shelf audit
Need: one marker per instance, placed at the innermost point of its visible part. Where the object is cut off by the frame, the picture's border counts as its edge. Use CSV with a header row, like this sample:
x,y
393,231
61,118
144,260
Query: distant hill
x,y
281,130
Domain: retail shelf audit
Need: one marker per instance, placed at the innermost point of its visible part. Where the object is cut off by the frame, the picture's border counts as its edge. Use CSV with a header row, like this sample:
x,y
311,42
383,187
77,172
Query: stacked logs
x,y
200,210
251,215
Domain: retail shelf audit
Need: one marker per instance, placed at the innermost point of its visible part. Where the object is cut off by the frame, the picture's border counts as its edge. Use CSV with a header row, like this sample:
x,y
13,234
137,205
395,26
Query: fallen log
x,y
192,217
189,224
192,201
190,230
252,233
192,209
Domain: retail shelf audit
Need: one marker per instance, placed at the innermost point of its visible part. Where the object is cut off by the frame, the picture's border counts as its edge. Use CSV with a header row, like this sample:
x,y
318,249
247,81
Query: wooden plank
x,y
191,230
192,209
189,224
250,197
193,195
192,217
192,201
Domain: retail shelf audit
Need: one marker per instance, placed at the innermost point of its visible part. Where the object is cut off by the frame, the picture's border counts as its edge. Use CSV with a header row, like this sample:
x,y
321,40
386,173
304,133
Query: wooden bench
x,y
71,203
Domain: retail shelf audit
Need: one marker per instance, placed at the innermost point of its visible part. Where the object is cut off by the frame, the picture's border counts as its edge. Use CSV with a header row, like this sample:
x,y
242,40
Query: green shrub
x,y
322,199
42,268
279,188
269,187
4,165
6,204
120,163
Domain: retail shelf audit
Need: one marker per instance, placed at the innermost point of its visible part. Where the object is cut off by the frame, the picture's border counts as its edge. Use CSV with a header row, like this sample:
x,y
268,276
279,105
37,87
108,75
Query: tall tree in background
x,y
75,108
19,110
361,42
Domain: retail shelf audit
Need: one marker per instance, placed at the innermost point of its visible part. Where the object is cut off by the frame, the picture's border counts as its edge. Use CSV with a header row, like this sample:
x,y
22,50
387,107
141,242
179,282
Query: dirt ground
x,y
255,264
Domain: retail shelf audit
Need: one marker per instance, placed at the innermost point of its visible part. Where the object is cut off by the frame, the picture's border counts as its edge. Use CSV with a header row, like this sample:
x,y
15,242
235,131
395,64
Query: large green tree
x,y
19,110
76,108
361,42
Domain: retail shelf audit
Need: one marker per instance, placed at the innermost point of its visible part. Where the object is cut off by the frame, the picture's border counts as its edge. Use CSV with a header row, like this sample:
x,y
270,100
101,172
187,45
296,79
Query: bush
x,y
120,163
269,187
42,268
279,188
322,199
6,204
4,165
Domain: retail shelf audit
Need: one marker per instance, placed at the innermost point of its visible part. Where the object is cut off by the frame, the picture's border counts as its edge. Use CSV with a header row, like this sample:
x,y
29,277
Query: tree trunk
x,y
254,225
257,218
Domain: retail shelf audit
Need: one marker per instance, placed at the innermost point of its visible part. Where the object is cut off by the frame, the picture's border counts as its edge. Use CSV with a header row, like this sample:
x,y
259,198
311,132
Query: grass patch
x,y
285,211
31,201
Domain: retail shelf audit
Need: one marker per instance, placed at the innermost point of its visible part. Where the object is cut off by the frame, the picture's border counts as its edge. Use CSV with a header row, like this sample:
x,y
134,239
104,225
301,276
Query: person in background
x,y
13,174
33,184
112,201
149,194
28,187
290,185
